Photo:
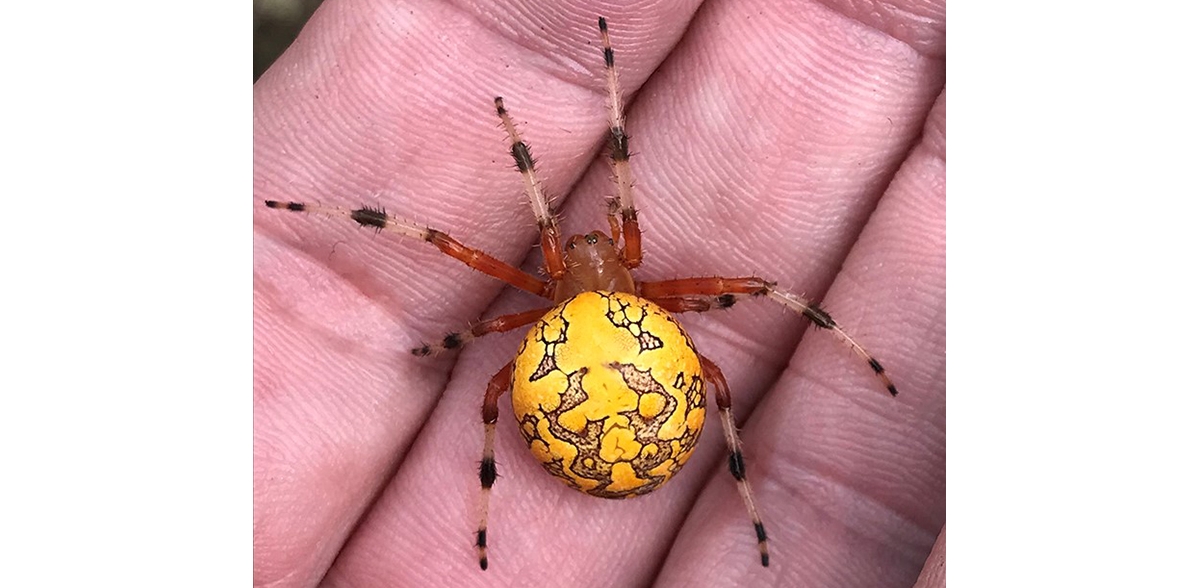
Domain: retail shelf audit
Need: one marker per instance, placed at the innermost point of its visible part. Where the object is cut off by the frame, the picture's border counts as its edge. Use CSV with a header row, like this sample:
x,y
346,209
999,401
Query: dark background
x,y
276,24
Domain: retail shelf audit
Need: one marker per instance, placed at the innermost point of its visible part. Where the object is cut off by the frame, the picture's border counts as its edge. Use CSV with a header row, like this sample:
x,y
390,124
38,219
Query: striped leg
x,y
487,466
619,145
700,294
379,220
737,465
551,240
499,324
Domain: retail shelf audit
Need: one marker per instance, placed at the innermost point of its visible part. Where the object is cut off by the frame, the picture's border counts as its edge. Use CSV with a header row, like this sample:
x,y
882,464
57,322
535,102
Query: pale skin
x,y
771,140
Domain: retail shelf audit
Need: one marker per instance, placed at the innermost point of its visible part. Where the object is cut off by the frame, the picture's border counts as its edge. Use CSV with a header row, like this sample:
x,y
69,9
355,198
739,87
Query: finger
x,y
851,483
391,106
752,163
933,575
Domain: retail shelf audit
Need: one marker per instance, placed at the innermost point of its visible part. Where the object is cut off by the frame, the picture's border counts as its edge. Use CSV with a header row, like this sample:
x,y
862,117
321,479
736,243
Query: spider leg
x,y
551,240
737,465
695,303
619,145
499,324
700,294
378,219
487,466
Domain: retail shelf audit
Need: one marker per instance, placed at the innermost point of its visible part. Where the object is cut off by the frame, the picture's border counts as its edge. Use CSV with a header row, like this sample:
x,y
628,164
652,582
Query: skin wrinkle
x,y
804,476
557,53
352,337
564,69
933,47
362,276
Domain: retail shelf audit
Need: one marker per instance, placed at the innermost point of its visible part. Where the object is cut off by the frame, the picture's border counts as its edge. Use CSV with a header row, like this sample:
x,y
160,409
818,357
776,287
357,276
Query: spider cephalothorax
x,y
608,389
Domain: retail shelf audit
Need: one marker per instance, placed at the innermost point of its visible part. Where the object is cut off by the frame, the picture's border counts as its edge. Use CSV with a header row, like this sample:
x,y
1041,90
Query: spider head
x,y
593,263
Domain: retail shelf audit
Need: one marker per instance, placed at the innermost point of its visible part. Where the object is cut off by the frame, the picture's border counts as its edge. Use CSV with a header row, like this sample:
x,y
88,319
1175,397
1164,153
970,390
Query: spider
x,y
608,389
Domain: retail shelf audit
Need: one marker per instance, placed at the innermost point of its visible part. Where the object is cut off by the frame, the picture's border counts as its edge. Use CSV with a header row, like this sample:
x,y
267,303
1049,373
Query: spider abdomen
x,y
609,393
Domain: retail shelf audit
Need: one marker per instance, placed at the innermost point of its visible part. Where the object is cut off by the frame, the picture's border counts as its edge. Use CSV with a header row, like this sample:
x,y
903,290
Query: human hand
x,y
762,145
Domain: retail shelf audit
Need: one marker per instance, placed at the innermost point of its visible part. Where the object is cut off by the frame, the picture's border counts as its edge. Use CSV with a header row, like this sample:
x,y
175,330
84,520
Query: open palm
x,y
799,142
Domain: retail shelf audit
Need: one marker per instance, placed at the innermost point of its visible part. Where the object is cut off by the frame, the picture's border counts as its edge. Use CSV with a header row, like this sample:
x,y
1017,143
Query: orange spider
x,y
608,389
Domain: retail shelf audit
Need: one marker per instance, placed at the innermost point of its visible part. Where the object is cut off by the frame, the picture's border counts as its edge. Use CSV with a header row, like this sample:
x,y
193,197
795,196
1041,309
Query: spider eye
x,y
610,241
571,244
592,239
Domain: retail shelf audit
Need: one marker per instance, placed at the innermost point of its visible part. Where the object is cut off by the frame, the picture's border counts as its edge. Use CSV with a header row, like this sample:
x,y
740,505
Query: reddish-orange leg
x,y
631,251
379,220
737,465
700,294
487,466
550,238
695,303
499,324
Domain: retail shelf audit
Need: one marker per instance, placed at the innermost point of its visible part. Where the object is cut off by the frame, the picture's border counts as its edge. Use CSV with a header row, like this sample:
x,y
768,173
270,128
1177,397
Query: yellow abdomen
x,y
609,393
